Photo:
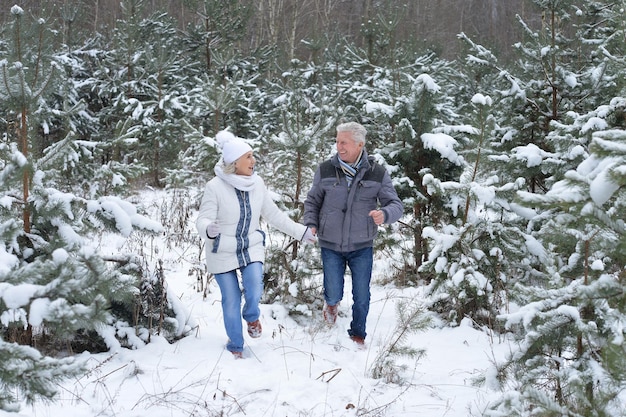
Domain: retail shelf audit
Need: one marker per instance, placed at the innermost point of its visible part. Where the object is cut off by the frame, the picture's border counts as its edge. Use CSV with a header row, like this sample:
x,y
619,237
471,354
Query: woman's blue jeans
x,y
252,282
360,264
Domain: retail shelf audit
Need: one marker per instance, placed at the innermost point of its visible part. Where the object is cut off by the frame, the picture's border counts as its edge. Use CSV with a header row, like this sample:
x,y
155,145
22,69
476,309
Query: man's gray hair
x,y
357,130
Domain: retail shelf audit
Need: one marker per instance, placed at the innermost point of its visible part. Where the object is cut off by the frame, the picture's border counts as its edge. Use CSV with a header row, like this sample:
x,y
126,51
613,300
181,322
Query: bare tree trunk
x,y
25,175
293,26
494,18
365,16
273,19
299,169
96,15
323,11
157,142
207,42
23,137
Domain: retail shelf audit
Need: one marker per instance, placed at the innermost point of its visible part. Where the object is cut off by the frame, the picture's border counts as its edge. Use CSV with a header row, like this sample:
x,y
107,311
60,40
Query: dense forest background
x,y
501,124
299,29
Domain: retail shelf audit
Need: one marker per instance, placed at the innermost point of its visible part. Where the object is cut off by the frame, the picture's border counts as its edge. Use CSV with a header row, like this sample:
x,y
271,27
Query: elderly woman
x,y
229,222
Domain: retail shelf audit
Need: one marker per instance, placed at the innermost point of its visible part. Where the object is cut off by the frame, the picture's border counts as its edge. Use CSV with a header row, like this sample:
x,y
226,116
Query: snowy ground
x,y
293,370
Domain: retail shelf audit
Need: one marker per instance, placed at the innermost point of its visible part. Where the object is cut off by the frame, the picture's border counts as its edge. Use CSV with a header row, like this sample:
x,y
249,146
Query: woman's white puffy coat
x,y
241,240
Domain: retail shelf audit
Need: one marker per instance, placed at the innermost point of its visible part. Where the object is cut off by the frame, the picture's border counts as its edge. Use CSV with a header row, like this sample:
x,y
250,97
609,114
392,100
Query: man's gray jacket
x,y
341,213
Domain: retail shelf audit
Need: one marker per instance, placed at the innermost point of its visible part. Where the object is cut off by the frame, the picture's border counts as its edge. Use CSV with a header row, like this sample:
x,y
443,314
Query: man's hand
x,y
378,216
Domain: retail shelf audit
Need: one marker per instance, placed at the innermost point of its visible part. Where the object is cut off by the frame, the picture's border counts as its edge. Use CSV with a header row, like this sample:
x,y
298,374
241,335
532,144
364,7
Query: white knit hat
x,y
232,146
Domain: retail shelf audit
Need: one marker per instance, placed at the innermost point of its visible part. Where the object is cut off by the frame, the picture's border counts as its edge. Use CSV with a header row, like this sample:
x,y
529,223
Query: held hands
x,y
309,236
212,230
378,216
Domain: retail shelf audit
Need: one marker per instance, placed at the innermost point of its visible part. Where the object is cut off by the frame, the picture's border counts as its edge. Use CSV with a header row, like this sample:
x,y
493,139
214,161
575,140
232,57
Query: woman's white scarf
x,y
240,182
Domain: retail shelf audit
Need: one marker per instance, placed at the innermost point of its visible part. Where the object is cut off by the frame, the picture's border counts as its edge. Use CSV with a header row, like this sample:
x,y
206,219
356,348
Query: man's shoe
x,y
237,355
330,314
255,329
358,340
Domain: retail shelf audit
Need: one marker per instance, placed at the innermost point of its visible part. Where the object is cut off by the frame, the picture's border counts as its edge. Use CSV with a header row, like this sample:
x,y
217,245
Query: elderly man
x,y
350,197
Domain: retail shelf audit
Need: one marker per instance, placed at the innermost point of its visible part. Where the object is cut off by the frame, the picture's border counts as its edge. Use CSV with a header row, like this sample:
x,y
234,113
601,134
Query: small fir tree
x,y
473,257
58,293
145,90
569,330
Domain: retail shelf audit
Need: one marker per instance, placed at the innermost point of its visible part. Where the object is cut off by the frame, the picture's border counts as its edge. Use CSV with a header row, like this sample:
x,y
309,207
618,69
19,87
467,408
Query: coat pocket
x,y
216,244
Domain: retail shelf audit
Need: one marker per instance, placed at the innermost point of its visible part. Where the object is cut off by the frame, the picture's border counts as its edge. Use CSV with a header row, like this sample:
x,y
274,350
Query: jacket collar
x,y
366,161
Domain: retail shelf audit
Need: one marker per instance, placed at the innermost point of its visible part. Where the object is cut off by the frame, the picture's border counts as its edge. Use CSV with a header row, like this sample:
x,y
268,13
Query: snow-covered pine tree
x,y
58,294
520,152
560,69
223,88
220,25
566,324
421,147
378,30
570,356
469,263
482,246
142,80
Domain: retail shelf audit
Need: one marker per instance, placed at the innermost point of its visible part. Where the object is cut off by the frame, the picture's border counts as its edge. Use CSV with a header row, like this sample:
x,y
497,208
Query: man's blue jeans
x,y
252,281
360,264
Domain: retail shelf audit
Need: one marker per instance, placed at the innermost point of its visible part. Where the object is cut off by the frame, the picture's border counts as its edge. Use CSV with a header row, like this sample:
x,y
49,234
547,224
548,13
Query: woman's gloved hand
x,y
309,236
212,230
